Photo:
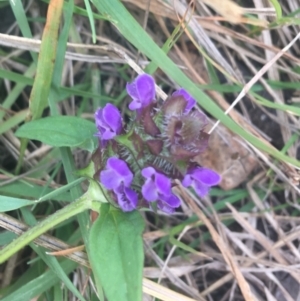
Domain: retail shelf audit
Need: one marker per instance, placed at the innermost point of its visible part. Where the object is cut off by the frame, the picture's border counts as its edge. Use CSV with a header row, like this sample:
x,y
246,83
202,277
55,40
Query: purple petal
x,y
108,122
102,127
201,179
131,90
149,191
145,86
187,180
206,176
134,105
109,179
163,184
127,199
107,133
116,173
190,100
172,201
112,117
201,189
121,169
148,172
142,91
98,117
165,207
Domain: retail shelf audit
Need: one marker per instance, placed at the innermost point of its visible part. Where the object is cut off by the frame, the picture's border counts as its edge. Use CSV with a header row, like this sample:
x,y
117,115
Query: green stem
x,y
74,208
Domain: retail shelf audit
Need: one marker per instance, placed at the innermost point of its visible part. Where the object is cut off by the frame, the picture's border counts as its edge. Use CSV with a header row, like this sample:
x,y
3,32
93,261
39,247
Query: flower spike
x,y
157,145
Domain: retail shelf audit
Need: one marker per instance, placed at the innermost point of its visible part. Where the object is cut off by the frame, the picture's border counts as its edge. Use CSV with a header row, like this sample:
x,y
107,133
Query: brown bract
x,y
138,144
174,105
155,146
147,121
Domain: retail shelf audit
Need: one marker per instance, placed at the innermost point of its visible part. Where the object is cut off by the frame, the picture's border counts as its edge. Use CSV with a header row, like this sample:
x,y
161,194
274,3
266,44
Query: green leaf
x,y
29,190
116,253
7,203
61,131
277,7
91,19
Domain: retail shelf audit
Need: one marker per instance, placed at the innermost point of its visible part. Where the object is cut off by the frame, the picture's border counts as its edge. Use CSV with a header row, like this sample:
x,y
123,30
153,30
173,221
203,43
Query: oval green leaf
x,y
116,253
60,131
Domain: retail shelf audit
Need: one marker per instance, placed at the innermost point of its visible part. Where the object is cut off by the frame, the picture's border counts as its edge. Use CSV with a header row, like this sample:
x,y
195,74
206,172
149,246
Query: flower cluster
x,y
140,160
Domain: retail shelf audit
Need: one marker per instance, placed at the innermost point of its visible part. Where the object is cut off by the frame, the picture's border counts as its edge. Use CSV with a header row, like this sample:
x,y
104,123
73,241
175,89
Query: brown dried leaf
x,y
227,8
232,12
227,155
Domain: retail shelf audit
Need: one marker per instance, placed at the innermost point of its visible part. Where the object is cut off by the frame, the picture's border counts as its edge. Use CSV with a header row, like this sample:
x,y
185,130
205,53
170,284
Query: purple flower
x,y
142,91
201,179
118,177
116,174
190,100
157,187
127,198
108,122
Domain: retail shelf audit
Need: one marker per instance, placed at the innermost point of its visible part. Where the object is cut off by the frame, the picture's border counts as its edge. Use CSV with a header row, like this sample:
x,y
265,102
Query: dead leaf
x,y
232,12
